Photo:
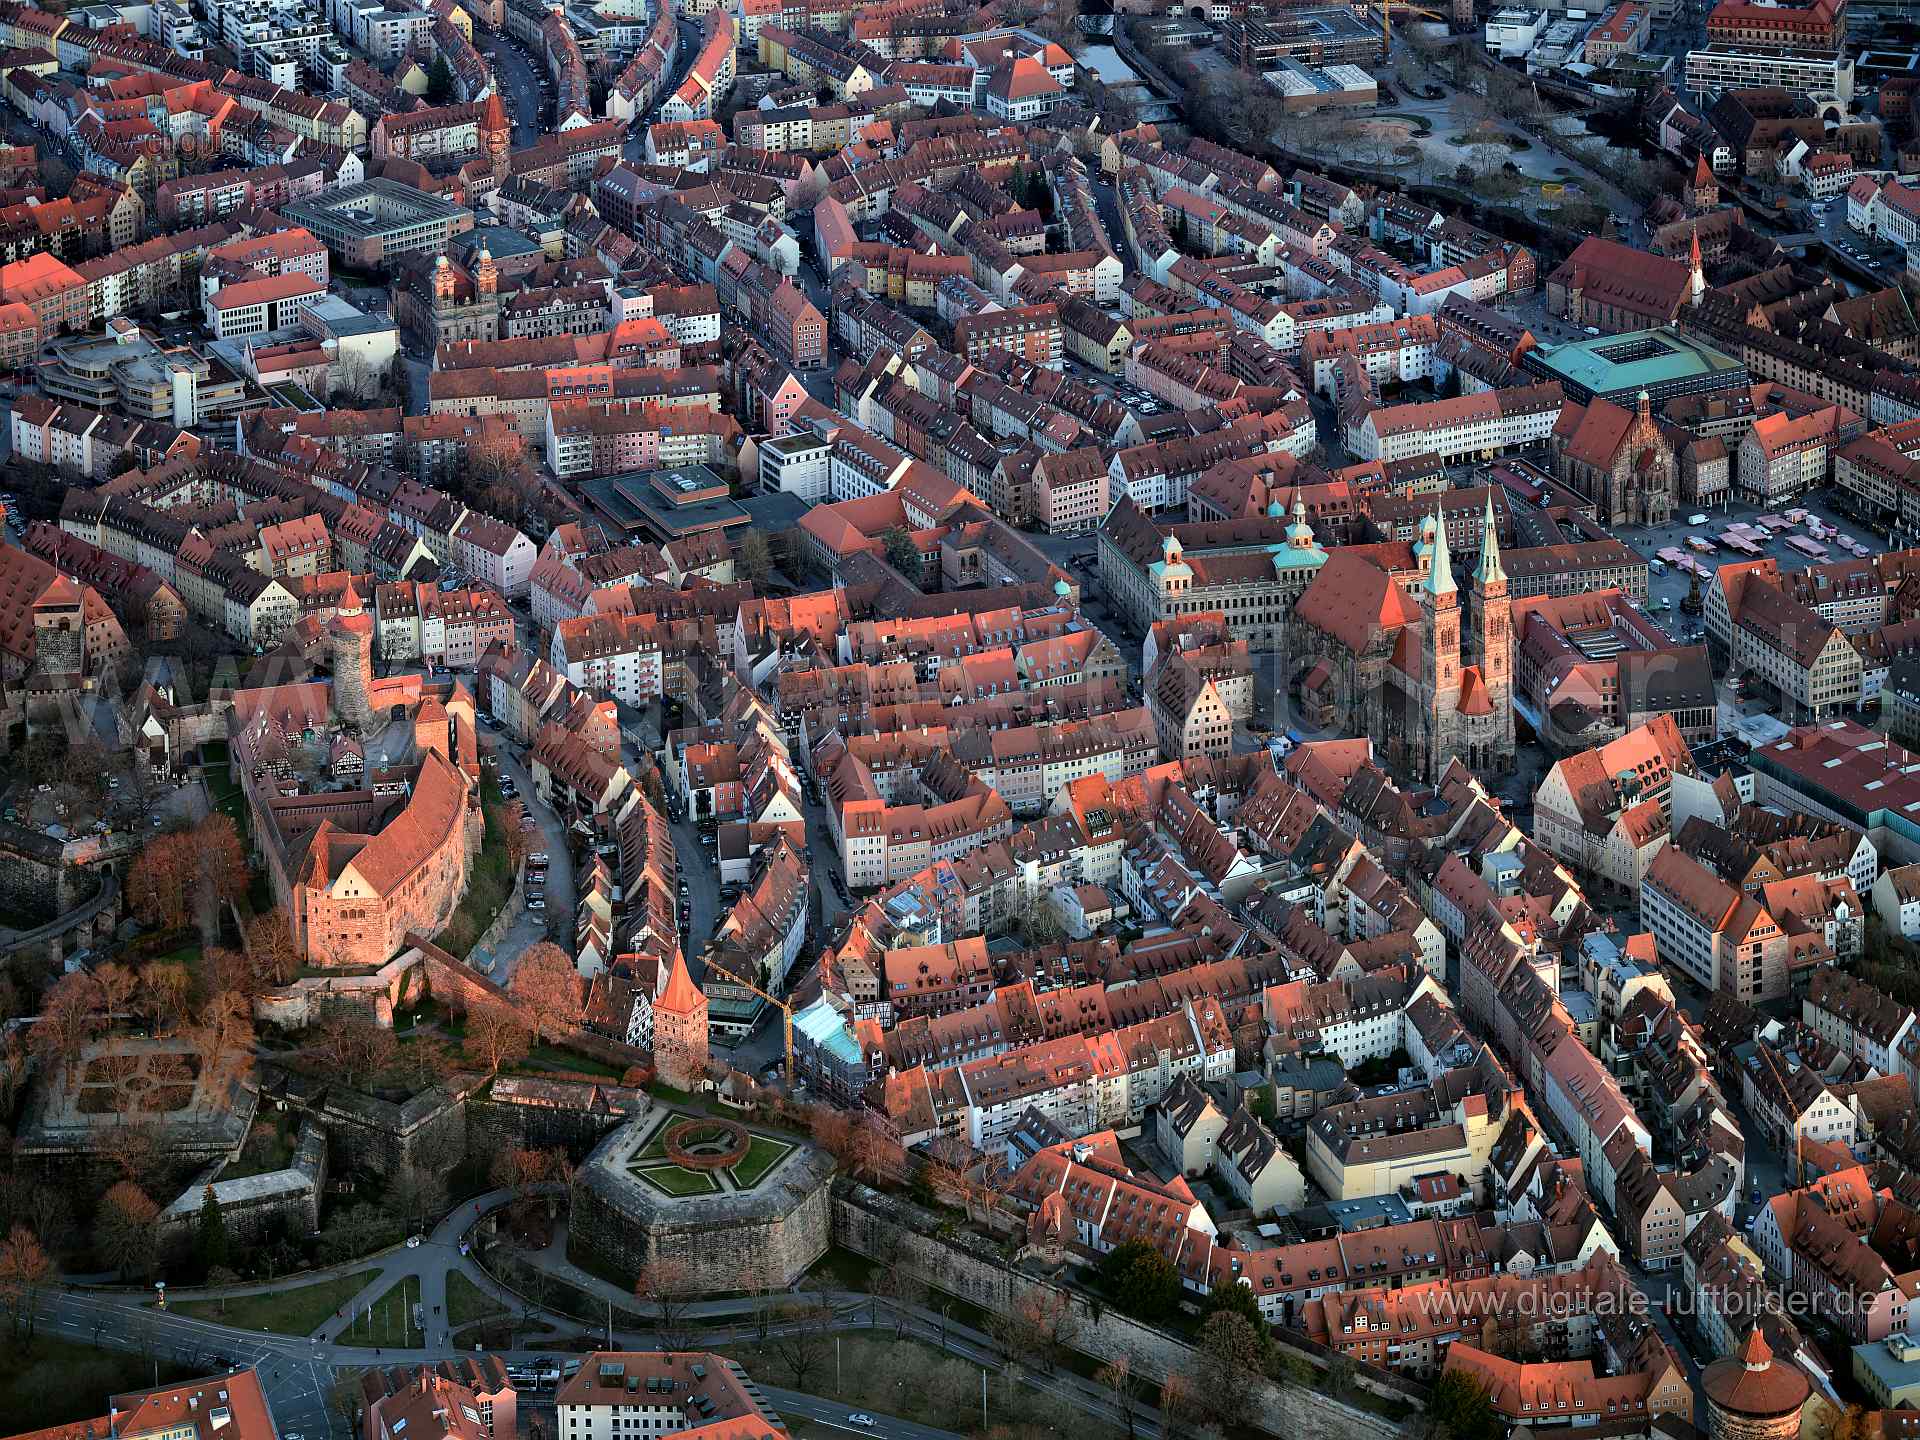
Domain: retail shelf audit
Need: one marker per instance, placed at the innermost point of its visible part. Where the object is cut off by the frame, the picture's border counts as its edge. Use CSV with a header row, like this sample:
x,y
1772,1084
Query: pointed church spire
x,y
1698,283
1490,571
1439,579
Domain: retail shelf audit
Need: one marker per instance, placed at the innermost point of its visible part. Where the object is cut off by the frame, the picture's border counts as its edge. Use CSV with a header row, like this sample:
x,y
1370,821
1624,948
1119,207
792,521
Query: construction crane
x,y
786,1012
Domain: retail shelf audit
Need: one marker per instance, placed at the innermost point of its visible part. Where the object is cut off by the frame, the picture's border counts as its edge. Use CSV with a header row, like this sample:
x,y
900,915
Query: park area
x,y
688,1157
299,1311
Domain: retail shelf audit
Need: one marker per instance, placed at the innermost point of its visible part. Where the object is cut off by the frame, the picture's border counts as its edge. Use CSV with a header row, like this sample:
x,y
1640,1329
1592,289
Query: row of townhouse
x,y
1081,1083
636,657
526,694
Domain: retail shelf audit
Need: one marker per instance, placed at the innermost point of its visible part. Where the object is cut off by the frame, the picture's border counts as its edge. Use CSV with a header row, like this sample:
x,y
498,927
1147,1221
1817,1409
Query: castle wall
x,y
254,1208
493,1127
36,879
779,1228
883,1227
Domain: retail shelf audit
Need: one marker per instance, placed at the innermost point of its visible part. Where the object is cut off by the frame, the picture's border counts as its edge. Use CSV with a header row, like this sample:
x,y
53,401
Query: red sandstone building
x,y
358,870
1747,25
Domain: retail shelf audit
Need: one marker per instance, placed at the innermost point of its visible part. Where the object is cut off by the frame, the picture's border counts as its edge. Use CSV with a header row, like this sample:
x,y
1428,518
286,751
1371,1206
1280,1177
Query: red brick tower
x,y
496,135
1704,193
680,1029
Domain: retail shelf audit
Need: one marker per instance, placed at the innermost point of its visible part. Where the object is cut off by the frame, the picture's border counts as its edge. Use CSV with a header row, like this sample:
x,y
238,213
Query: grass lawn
x,y
226,795
285,1312
492,880
762,1155
466,1302
391,1321
188,955
54,1381
675,1181
262,1156
909,1379
544,1057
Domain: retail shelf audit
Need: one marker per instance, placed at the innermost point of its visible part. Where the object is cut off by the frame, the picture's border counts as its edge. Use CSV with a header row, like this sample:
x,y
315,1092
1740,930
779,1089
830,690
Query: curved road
x,y
299,1372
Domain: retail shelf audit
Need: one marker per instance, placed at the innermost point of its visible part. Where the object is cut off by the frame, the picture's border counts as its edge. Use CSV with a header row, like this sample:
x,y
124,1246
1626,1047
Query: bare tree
x,y
1232,1359
416,1194
270,948
123,1229
114,985
224,1033
547,989
134,1148
24,1270
666,1290
1119,1377
895,1282
356,1047
1039,1327
496,1037
801,1340
68,1020
761,1282
1181,1405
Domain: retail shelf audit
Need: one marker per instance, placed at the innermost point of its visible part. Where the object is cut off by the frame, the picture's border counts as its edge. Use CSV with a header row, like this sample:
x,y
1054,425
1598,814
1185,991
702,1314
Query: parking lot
x,y
1672,586
1140,402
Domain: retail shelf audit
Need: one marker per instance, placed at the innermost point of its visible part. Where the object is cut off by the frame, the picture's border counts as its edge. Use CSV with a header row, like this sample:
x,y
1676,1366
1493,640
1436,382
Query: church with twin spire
x,y
1384,644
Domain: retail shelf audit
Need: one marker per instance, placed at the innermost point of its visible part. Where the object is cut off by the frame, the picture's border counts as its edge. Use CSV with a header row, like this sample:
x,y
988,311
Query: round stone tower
x,y
1752,1396
351,636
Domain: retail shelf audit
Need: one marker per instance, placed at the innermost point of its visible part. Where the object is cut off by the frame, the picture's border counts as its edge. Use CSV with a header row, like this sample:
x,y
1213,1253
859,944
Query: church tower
x,y
496,135
1698,285
680,1028
1495,644
350,638
1440,655
1704,193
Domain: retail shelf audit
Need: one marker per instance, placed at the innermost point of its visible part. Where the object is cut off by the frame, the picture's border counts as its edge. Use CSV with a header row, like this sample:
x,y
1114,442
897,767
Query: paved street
x,y
697,868
513,70
300,1371
531,926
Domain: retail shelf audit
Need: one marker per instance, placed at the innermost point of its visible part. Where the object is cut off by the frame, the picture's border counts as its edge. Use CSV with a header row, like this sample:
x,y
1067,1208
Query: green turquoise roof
x,y
1293,557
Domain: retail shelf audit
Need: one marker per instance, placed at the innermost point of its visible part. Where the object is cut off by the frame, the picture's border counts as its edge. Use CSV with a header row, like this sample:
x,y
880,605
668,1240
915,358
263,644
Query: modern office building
x,y
377,220
1663,362
1801,72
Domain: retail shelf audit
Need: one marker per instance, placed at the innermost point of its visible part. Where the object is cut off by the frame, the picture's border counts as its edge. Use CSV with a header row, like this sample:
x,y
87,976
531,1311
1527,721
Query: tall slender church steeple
x,y
1489,571
1439,579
